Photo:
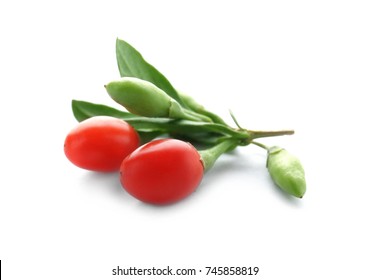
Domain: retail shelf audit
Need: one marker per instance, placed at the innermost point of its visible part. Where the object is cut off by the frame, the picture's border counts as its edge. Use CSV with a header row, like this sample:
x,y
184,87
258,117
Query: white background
x,y
276,64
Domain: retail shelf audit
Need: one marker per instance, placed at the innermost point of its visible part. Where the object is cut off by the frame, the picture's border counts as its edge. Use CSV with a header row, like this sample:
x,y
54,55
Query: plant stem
x,y
254,134
209,156
235,120
270,150
260,145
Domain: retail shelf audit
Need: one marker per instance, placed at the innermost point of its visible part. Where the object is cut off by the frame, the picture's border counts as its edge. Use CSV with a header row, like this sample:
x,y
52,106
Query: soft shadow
x,y
104,183
172,207
228,165
109,184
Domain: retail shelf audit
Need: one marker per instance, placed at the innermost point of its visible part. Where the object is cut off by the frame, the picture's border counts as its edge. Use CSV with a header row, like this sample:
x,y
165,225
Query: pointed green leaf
x,y
83,110
132,64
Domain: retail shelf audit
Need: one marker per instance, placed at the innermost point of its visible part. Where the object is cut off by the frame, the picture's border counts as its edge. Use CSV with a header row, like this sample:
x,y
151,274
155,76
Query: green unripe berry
x,y
286,171
140,97
143,98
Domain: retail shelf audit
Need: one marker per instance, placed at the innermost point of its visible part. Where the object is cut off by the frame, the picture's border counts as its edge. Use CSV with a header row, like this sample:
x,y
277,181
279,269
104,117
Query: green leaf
x,y
192,104
132,64
185,127
83,110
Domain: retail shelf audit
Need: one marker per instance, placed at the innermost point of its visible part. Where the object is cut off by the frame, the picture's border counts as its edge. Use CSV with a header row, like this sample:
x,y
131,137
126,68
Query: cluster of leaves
x,y
132,64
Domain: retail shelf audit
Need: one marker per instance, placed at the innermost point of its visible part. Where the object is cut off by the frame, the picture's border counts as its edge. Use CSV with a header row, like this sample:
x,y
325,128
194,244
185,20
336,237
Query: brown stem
x,y
254,134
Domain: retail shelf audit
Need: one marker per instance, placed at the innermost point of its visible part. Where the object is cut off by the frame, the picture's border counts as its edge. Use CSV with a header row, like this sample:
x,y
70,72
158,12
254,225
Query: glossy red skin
x,y
100,143
162,171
